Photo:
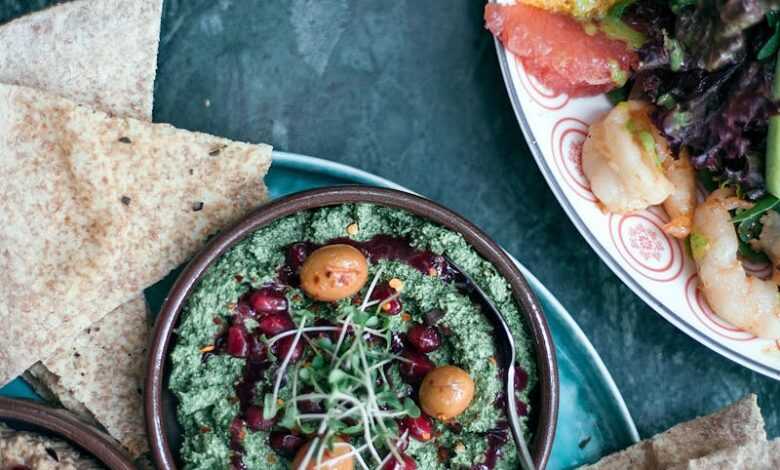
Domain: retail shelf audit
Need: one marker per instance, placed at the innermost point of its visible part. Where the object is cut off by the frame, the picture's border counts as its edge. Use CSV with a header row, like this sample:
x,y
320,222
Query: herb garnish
x,y
348,378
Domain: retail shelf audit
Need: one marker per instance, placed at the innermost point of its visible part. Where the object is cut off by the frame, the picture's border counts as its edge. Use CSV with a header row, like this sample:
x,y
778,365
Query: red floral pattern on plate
x,y
641,241
568,137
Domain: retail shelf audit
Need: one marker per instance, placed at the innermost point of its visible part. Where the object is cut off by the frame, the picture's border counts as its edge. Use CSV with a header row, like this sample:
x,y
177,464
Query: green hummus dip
x,y
206,381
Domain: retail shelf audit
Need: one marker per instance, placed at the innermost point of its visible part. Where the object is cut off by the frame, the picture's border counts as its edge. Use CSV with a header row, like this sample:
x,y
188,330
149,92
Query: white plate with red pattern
x,y
658,268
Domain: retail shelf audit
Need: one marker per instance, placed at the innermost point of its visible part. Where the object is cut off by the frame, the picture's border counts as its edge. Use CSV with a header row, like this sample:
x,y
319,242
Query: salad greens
x,y
709,67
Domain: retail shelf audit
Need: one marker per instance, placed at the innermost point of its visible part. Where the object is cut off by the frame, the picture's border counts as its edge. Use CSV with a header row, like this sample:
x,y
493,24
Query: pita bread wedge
x,y
73,70
104,368
98,52
755,456
97,208
740,423
47,384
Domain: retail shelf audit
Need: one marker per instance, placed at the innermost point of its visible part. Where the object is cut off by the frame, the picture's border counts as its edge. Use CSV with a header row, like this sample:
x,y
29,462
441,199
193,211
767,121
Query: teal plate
x,y
592,420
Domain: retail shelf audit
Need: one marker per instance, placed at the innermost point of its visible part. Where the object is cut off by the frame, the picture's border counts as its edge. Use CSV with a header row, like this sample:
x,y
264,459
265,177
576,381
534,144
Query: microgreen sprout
x,y
348,378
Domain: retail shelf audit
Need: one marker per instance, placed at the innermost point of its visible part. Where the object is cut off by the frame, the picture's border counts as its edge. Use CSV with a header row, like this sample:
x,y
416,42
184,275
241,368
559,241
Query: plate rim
x,y
611,262
307,163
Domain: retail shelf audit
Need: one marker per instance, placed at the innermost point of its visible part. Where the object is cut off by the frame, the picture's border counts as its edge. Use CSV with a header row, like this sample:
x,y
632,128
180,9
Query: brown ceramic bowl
x,y
25,415
161,422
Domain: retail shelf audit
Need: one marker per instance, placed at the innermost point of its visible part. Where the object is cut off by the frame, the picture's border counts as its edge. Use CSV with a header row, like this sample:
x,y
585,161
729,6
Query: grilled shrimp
x,y
623,159
747,302
682,201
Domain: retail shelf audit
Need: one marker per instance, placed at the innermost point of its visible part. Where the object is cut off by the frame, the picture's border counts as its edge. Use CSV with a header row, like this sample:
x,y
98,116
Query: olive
x,y
446,392
334,272
335,459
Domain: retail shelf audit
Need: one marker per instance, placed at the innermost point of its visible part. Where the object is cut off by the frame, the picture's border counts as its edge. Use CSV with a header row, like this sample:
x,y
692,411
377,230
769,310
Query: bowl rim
x,y
65,426
162,339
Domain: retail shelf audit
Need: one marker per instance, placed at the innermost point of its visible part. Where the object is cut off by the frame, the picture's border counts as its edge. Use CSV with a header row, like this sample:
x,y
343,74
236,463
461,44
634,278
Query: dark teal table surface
x,y
411,90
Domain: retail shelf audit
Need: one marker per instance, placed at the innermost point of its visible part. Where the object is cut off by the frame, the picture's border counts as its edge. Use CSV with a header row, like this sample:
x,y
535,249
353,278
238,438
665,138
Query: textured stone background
x,y
411,90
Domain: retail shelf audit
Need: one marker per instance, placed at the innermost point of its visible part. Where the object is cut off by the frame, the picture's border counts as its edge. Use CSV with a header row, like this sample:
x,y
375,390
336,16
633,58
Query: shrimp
x,y
746,302
629,166
682,201
623,159
769,241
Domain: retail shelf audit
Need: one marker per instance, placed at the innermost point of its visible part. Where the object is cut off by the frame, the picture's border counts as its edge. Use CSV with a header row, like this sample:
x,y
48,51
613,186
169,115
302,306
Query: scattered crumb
x,y
460,448
206,349
352,229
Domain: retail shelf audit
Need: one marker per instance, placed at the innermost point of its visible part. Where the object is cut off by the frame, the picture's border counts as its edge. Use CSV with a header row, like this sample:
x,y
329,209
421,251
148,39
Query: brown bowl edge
x,y
67,427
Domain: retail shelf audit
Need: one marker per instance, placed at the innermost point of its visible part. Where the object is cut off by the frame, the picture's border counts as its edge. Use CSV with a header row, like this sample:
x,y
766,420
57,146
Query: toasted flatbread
x,y
47,384
103,368
753,456
740,423
96,208
98,52
75,69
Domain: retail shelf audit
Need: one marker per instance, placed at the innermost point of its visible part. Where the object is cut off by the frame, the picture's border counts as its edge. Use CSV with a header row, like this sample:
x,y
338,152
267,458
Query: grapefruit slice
x,y
556,50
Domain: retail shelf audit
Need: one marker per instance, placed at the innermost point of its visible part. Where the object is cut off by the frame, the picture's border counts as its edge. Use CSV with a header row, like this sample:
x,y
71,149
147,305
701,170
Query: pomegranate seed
x,y
311,406
275,323
257,350
237,429
407,464
285,443
268,300
419,428
283,346
236,341
243,311
255,421
424,338
297,254
522,408
237,462
521,378
382,292
416,366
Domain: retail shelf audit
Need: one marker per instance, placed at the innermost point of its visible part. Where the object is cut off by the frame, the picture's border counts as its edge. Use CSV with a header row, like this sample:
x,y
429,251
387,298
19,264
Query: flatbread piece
x,y
103,368
84,230
98,52
753,456
74,70
740,423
